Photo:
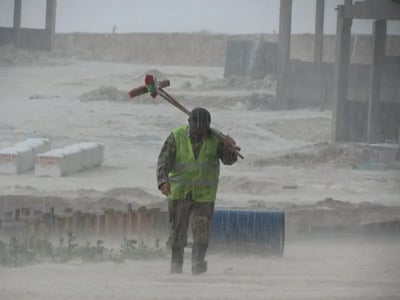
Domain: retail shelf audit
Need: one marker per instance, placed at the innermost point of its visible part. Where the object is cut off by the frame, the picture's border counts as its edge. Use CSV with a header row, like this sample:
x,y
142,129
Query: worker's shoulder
x,y
182,127
214,133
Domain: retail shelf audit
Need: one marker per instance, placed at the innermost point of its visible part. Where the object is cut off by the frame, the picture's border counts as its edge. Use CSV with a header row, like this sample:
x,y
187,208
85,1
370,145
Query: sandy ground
x,y
53,100
322,269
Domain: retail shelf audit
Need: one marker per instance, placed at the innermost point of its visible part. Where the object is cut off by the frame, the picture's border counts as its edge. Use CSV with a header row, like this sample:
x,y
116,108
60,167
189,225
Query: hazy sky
x,y
215,16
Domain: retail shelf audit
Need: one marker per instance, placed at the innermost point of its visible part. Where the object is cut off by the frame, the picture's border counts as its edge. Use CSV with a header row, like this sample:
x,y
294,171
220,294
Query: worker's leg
x,y
201,221
179,211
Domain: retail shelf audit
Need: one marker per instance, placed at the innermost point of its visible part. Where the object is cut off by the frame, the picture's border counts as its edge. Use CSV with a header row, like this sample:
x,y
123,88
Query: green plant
x,y
93,253
23,250
20,252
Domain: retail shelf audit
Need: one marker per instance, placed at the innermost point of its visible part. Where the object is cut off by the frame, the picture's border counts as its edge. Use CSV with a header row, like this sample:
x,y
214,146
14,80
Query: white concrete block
x,y
69,160
93,154
38,145
21,157
52,163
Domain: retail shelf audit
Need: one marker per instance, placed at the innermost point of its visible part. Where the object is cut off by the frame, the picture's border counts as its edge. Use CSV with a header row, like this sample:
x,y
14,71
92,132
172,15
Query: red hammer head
x,y
149,87
150,84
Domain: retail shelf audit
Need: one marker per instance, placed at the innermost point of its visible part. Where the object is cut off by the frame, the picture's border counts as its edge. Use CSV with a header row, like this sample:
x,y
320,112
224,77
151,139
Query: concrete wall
x,y
199,48
311,84
183,48
6,36
27,38
174,48
249,58
356,121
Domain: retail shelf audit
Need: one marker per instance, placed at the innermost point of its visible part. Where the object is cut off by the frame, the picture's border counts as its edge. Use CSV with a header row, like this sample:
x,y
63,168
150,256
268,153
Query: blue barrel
x,y
260,232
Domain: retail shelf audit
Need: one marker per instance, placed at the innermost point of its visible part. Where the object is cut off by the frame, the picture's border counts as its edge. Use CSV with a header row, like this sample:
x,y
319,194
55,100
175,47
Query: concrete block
x,y
93,154
68,160
382,153
21,157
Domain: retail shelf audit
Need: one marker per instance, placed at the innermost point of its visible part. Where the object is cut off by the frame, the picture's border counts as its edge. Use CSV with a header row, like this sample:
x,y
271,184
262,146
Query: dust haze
x,y
341,220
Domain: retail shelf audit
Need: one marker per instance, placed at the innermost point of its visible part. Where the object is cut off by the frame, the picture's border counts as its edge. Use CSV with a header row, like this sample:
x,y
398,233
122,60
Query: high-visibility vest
x,y
197,176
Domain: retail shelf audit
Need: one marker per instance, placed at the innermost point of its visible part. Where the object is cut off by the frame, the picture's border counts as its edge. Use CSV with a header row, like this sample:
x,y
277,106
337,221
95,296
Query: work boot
x,y
199,265
176,268
176,259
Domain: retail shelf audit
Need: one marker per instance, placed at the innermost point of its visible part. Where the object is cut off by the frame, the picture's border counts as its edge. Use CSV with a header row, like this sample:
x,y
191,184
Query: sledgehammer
x,y
155,88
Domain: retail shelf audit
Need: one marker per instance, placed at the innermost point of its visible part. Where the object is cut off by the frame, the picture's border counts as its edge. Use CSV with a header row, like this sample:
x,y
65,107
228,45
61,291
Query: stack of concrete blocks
x,y
69,160
21,157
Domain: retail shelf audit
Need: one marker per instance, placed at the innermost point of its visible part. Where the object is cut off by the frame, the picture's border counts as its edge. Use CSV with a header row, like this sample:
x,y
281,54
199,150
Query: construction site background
x,y
200,49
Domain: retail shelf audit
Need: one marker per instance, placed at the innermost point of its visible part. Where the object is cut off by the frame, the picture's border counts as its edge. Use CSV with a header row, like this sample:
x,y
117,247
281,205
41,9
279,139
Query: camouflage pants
x,y
180,212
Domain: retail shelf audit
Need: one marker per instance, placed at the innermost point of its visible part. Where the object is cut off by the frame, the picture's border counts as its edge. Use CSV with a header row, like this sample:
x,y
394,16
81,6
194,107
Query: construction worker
x,y
188,173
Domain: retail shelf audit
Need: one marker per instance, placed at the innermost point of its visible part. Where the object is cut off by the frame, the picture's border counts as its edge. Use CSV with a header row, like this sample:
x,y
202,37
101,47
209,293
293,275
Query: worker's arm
x,y
165,164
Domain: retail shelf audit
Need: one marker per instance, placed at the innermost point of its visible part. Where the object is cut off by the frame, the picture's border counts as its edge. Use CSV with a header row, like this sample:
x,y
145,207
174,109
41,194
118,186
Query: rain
x,y
112,187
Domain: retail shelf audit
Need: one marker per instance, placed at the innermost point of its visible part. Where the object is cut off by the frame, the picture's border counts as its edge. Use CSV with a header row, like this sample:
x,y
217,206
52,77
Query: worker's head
x,y
199,121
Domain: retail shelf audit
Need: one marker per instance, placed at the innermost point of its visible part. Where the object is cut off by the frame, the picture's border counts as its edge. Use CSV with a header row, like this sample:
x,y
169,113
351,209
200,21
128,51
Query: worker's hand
x,y
165,188
229,141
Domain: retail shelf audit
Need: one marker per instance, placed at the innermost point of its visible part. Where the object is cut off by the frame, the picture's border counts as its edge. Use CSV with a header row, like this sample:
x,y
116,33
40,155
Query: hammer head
x,y
150,86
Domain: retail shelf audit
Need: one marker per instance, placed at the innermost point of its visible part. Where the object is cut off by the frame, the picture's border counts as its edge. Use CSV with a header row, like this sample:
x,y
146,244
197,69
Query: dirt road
x,y
312,269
